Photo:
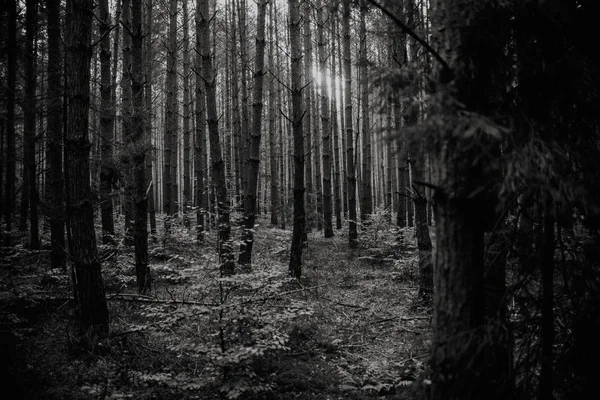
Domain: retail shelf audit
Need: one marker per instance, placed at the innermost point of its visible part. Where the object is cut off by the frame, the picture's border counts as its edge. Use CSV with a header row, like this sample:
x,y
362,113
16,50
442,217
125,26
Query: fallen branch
x,y
344,304
400,318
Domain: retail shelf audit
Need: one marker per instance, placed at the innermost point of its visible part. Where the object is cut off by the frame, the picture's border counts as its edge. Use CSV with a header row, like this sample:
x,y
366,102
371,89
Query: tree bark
x,y
253,155
350,168
149,70
308,117
30,121
127,128
107,169
464,201
272,113
245,125
141,144
366,203
200,139
325,126
337,200
217,164
187,191
54,173
87,277
297,115
171,121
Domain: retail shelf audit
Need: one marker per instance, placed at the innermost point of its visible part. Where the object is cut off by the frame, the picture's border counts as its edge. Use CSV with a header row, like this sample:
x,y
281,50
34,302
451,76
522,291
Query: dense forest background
x,y
299,199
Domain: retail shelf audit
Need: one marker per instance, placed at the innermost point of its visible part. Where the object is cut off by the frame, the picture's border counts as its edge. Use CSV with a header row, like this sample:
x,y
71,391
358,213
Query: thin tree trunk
x,y
200,139
282,206
149,64
235,94
107,171
297,115
350,168
127,112
325,126
366,204
30,121
245,134
309,98
272,113
337,201
171,118
141,143
187,191
253,155
87,277
218,166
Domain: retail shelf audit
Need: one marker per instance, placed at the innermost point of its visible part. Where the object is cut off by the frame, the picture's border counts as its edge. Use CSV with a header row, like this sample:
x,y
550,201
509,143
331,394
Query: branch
x,y
447,73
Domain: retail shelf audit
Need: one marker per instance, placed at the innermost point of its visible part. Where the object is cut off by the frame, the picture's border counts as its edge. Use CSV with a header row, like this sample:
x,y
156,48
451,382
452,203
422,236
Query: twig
x,y
344,304
400,318
448,73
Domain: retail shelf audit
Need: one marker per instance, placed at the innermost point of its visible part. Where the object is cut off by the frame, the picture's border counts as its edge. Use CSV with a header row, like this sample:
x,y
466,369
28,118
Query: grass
x,y
349,329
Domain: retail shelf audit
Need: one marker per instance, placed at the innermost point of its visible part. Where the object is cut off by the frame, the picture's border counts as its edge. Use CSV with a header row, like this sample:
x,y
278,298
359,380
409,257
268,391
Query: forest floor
x,y
351,328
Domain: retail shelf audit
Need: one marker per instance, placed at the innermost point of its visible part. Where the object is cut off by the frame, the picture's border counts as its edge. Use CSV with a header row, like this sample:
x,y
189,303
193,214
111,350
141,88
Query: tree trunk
x,y
297,115
337,201
235,95
171,121
107,171
87,277
141,144
200,139
464,200
245,133
55,112
325,125
308,117
218,166
54,173
366,203
187,191
272,120
350,168
149,65
127,117
30,121
253,155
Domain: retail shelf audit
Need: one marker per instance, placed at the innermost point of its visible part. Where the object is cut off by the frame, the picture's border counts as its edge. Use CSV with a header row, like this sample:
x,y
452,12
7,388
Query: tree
x,y
325,125
54,173
352,232
272,113
141,143
253,154
464,200
187,191
297,115
87,277
127,120
216,158
337,201
149,70
200,137
309,98
366,201
11,75
107,171
417,165
171,120
30,122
